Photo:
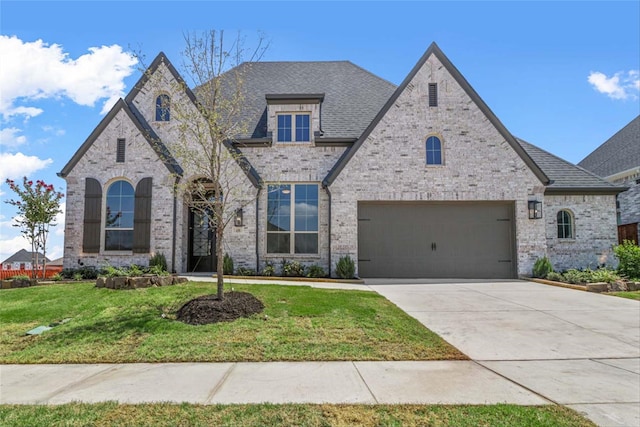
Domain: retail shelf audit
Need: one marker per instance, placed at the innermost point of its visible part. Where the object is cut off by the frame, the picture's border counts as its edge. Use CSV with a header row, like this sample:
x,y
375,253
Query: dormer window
x,y
163,108
294,127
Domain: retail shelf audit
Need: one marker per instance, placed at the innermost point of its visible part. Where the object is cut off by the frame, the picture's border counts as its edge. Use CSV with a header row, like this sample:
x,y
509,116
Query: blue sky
x,y
562,75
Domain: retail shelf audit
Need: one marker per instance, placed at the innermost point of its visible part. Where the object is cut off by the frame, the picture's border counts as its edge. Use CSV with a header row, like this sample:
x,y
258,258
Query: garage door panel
x,y
440,240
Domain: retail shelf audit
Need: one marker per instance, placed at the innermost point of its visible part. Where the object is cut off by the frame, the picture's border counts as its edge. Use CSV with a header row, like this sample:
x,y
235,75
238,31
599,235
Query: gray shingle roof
x,y
566,177
22,256
352,95
619,153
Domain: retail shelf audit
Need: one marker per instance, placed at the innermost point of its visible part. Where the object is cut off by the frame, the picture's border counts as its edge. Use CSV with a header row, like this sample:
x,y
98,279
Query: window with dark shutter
x,y
433,94
120,150
92,216
142,217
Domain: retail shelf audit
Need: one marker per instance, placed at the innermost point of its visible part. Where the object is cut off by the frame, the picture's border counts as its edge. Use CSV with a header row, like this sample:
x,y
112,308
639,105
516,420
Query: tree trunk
x,y
219,254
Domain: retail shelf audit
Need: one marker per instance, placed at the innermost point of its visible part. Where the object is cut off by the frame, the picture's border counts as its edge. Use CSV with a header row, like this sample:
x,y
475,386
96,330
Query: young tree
x,y
205,129
37,208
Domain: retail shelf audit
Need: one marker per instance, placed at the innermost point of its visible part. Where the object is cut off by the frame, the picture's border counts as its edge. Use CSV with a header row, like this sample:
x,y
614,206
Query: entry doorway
x,y
202,242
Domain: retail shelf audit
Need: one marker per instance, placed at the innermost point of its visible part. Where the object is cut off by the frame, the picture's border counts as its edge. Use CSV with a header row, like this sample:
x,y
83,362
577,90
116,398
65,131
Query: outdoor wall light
x,y
535,209
238,220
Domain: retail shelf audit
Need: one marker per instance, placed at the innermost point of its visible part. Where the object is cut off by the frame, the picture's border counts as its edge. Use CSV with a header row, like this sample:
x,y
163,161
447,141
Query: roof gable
x,y
453,71
619,153
144,128
24,256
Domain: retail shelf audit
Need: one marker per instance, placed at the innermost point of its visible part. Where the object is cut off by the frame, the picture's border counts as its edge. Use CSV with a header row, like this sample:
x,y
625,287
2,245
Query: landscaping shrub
x,y
245,271
556,277
157,270
628,254
576,276
134,271
57,277
346,268
542,267
158,260
77,276
315,271
227,264
604,275
292,269
111,271
21,277
269,270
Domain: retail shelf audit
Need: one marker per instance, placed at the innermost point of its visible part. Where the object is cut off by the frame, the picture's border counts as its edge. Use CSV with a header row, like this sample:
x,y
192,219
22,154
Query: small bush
x,y
244,271
21,277
111,271
315,271
346,268
556,277
604,275
269,270
576,276
292,269
628,254
134,271
77,276
542,267
57,277
157,270
158,260
227,264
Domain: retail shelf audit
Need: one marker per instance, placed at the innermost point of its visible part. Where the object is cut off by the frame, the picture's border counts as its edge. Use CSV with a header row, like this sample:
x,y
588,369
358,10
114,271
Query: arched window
x,y
434,151
565,225
163,108
118,227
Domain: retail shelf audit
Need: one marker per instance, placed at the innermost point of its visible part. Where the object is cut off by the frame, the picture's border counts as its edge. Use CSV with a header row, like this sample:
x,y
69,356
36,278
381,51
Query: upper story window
x,y
292,228
434,151
433,94
294,127
118,227
120,150
163,108
565,225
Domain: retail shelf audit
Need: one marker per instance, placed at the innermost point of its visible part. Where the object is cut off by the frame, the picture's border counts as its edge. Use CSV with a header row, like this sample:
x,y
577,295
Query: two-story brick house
x,y
418,180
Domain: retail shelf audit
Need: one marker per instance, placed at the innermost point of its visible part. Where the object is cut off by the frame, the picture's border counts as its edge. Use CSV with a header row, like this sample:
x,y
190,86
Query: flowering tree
x,y
37,207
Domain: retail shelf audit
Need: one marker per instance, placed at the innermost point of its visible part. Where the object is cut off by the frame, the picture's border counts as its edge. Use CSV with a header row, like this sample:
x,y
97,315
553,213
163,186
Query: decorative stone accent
x,y
147,281
597,287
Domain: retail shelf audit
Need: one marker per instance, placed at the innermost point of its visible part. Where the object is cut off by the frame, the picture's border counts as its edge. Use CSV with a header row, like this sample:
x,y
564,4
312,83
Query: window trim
x,y
103,225
293,115
292,221
158,106
426,151
570,224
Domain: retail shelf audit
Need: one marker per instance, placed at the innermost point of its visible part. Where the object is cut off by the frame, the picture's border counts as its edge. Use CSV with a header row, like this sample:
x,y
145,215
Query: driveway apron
x,y
571,347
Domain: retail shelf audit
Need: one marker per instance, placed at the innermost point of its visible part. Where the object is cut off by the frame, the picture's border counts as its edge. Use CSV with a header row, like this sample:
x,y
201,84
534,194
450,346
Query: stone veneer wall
x,y
595,231
99,162
479,164
291,163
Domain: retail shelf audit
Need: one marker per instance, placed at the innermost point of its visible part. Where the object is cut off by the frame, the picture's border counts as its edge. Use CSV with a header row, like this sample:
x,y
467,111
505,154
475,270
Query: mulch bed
x,y
209,309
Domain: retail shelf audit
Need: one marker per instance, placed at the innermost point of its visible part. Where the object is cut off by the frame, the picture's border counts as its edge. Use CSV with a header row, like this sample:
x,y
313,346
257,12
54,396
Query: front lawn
x,y
110,414
298,323
628,294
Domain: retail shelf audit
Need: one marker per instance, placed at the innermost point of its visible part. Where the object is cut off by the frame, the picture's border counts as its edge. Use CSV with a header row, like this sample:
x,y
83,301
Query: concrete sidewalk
x,y
430,382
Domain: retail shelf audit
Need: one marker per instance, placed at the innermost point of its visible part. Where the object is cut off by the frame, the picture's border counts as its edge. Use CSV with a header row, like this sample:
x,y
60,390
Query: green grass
x,y
298,323
112,414
626,294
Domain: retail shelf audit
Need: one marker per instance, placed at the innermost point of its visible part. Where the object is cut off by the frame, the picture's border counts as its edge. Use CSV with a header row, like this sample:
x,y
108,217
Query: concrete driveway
x,y
574,348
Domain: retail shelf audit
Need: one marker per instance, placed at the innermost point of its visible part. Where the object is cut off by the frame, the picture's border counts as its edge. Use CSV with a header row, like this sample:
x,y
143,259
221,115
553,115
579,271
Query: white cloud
x,y
619,86
9,246
17,165
9,138
37,70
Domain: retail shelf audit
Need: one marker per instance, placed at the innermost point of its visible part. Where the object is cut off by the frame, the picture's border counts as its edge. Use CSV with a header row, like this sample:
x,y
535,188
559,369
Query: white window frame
x,y
293,126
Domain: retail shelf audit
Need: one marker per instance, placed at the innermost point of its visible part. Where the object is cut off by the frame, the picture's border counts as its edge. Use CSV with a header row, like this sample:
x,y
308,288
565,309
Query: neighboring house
x,y
618,161
22,260
419,180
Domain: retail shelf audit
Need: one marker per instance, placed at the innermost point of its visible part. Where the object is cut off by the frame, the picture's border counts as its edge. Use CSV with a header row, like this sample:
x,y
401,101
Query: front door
x,y
202,238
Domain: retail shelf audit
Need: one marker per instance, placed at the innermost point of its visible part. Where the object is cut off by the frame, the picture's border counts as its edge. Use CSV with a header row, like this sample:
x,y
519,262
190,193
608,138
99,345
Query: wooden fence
x,y
51,271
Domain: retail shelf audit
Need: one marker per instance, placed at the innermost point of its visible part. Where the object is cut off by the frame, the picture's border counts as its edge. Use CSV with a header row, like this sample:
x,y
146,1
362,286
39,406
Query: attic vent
x,y
120,150
433,94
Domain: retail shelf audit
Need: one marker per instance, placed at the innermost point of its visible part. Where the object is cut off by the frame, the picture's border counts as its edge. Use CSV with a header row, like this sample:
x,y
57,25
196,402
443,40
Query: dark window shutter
x,y
92,216
142,217
120,150
433,94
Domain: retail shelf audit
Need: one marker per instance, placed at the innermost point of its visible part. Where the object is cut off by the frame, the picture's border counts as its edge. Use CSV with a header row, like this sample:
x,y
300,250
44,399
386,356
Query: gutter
x,y
326,188
175,211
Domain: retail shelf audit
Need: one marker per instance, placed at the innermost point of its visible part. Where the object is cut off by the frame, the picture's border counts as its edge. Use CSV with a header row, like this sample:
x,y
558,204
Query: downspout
x,y
175,211
326,188
257,230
